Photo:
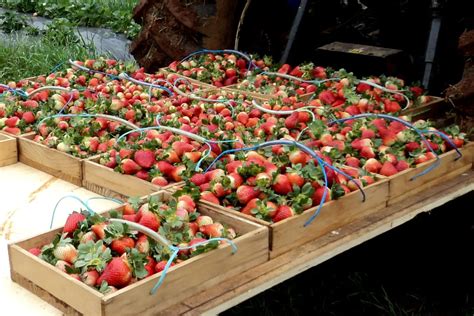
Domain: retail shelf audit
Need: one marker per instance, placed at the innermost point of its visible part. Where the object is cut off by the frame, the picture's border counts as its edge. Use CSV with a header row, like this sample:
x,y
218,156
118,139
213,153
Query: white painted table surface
x,y
27,200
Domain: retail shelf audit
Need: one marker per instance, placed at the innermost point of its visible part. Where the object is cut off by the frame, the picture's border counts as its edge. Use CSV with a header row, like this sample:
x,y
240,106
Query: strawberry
x,y
283,212
282,185
117,273
215,175
144,158
160,266
88,236
235,180
195,241
245,193
149,219
412,146
318,195
402,165
159,181
150,266
388,169
35,251
297,156
389,137
212,230
372,165
295,179
198,179
233,166
28,117
61,265
186,202
204,220
66,252
327,97
165,167
125,153
181,147
72,222
177,173
99,230
121,245
12,121
129,166
353,162
90,277
210,197
367,152
392,107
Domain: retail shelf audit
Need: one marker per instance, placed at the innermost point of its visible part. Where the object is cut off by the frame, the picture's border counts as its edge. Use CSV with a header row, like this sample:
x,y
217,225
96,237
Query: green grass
x,y
113,14
27,57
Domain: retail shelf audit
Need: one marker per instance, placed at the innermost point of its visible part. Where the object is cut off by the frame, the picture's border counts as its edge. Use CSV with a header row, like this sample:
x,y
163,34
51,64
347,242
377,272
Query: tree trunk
x,y
171,29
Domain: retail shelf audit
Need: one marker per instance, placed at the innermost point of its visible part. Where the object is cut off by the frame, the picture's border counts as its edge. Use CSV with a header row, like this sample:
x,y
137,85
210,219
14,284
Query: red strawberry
x,y
215,175
295,179
72,221
318,195
12,121
143,244
212,230
150,266
282,185
283,212
130,217
120,245
392,107
117,273
149,219
297,156
186,202
198,179
143,174
181,147
177,173
35,251
233,166
359,143
367,152
327,97
129,166
125,153
210,197
389,137
28,117
368,133
388,169
235,179
372,165
159,181
165,167
99,230
195,241
144,158
353,162
245,193
192,156
160,266
402,165
412,146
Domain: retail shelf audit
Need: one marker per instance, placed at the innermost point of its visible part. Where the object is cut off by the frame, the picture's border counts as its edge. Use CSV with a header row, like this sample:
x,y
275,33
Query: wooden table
x,y
28,197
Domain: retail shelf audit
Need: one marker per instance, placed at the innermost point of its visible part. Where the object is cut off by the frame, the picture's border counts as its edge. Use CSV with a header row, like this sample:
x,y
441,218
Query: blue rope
x,y
67,103
104,198
56,67
114,77
393,118
69,197
175,253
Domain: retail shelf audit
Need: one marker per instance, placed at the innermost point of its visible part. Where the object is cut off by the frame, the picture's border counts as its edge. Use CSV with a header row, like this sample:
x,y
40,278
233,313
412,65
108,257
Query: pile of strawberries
x,y
110,255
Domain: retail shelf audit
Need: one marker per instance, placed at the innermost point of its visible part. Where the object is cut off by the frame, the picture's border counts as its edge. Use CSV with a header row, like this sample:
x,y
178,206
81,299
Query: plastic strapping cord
x,y
68,197
114,77
393,118
446,138
104,198
320,161
221,51
105,116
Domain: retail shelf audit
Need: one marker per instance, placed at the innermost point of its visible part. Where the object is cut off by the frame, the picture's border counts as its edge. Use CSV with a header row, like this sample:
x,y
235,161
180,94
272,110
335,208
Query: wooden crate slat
x,y
8,150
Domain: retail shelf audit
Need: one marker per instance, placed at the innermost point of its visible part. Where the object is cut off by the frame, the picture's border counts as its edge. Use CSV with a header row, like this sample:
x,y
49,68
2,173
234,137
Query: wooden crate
x,y
182,281
291,233
49,160
401,187
106,181
431,109
8,150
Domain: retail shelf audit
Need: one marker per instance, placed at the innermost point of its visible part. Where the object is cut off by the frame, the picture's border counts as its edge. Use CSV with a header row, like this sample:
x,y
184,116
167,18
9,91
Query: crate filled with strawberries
x,y
112,262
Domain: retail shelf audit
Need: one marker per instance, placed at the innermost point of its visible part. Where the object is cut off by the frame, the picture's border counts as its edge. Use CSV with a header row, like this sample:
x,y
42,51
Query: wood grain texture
x,y
49,160
8,150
